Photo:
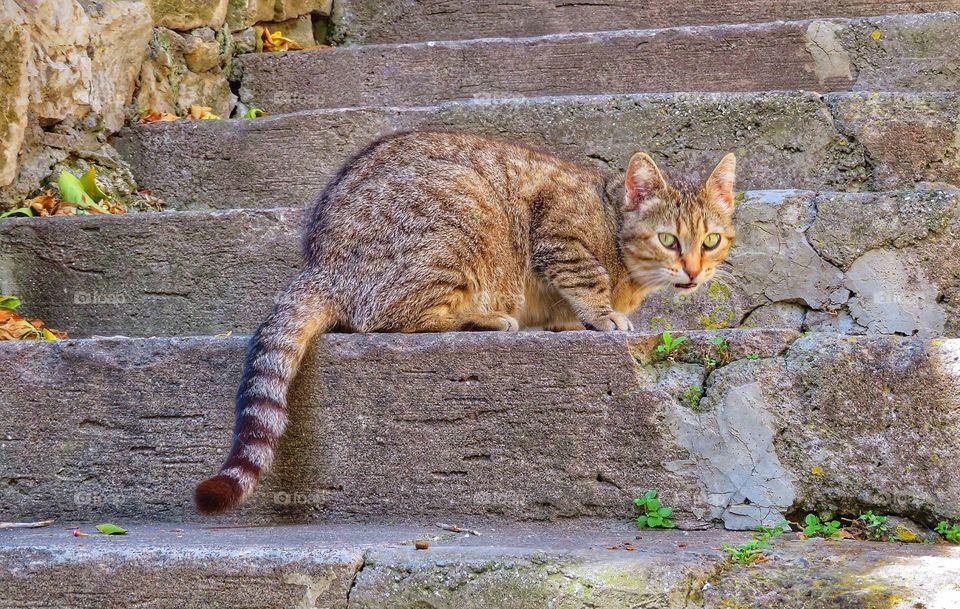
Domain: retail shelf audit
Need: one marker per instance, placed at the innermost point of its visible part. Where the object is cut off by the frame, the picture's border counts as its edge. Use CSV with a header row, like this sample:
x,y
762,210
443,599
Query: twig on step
x,y
26,525
455,529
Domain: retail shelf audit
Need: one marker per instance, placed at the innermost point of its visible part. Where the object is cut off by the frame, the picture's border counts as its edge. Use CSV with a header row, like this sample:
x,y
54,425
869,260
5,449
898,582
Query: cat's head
x,y
674,234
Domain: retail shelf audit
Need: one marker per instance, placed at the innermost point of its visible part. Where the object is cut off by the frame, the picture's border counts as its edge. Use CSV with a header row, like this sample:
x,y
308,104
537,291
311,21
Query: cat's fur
x,y
439,231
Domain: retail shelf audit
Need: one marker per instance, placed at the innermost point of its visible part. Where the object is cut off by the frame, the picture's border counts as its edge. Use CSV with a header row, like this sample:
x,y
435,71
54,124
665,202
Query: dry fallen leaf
x,y
275,41
155,116
14,326
198,112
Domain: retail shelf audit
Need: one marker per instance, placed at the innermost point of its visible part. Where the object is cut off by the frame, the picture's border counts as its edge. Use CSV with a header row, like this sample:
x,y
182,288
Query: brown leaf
x,y
155,116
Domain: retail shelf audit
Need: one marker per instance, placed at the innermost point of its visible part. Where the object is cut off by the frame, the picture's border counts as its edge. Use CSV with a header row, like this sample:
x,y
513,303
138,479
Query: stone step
x,y
376,567
849,262
526,426
375,21
783,140
912,53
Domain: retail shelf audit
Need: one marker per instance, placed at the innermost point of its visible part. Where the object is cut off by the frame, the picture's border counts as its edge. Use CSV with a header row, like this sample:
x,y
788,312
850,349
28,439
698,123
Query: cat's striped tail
x,y
273,358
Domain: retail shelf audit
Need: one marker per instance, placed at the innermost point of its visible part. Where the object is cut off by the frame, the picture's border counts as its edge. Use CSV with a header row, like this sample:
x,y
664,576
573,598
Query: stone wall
x,y
75,71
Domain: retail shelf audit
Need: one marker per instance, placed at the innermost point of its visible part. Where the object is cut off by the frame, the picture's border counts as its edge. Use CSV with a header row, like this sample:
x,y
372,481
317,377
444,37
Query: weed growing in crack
x,y
652,513
720,355
753,357
755,550
813,527
668,344
875,525
949,532
691,397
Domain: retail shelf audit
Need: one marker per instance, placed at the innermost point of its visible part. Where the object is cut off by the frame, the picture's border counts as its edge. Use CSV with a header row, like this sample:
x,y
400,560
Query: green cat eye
x,y
667,240
711,241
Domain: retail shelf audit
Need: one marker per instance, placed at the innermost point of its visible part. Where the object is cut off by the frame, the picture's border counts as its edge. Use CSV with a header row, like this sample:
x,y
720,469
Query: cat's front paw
x,y
611,322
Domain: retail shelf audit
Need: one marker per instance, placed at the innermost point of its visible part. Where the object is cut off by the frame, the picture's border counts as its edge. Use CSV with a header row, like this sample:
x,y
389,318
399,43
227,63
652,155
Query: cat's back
x,y
437,183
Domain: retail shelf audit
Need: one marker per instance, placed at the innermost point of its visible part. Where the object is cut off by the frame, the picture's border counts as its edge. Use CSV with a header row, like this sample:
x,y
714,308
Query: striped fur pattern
x,y
445,231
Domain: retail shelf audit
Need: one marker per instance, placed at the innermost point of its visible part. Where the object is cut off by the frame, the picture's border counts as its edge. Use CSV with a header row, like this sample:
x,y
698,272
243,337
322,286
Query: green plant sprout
x,y
652,514
691,397
753,357
755,550
813,527
876,526
669,344
948,532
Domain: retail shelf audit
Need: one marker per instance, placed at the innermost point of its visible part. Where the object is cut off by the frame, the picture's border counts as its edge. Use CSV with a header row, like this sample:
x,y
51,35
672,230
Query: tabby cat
x,y
440,231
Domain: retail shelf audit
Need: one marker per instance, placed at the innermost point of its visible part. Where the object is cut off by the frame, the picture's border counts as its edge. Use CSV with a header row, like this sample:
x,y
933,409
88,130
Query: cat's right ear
x,y
642,181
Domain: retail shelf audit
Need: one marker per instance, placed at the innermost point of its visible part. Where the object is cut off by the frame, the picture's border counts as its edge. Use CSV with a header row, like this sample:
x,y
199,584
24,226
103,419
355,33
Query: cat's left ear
x,y
720,183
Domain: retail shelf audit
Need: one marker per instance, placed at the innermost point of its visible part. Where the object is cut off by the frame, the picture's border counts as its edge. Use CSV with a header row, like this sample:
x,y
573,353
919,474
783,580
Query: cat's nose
x,y
692,273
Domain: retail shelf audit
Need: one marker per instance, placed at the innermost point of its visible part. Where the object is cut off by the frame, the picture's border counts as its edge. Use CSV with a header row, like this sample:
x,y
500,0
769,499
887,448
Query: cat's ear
x,y
643,179
720,183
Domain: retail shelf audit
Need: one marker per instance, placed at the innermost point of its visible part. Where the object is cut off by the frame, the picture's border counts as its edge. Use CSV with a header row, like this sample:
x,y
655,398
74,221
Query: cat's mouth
x,y
685,286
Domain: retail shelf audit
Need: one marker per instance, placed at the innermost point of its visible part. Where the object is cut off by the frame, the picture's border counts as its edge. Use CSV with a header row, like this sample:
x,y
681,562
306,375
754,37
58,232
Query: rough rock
x,y
875,46
201,55
207,89
867,412
776,315
519,426
168,83
67,80
298,29
374,21
892,296
245,13
186,15
14,96
71,84
923,147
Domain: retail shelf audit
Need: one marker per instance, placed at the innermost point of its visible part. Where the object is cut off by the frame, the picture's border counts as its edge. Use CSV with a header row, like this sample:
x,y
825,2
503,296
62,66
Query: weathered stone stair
x,y
842,141
909,53
392,434
804,260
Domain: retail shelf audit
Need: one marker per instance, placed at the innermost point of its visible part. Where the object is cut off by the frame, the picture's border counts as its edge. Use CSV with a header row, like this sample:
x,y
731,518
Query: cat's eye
x,y
711,241
668,241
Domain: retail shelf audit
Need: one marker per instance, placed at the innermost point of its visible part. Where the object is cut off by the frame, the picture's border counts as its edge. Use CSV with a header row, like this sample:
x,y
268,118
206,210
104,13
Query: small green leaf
x,y
651,494
20,211
665,511
654,521
89,182
653,505
678,340
253,113
9,302
72,190
109,528
668,524
641,521
811,520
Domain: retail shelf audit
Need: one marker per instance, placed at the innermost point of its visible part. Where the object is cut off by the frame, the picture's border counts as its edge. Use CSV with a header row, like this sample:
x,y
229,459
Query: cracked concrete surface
x,y
733,457
521,566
